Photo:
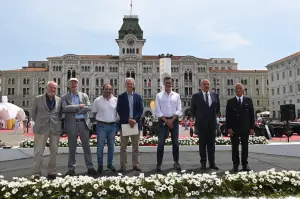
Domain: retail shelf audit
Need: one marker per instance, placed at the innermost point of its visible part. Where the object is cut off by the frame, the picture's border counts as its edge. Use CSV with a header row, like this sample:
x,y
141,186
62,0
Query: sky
x,y
254,32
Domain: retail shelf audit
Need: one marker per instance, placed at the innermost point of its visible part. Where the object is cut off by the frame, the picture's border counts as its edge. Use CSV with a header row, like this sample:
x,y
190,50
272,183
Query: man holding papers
x,y
130,109
168,109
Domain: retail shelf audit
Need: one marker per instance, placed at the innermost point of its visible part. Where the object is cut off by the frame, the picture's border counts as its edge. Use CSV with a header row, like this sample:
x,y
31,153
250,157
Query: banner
x,y
164,70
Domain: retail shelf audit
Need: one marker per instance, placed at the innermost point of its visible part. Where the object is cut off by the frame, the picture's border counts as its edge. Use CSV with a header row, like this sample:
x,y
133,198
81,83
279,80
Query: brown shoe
x,y
137,168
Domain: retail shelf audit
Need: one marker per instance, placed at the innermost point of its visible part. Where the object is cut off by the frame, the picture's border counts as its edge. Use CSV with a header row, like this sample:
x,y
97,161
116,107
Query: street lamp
x,y
39,82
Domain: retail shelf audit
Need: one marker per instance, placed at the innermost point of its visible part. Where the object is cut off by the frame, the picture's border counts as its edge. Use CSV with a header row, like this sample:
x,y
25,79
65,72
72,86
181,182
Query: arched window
x,y
28,80
24,81
82,81
82,68
85,68
9,81
102,68
54,79
102,81
228,82
123,50
87,81
133,50
231,81
13,81
137,51
59,68
190,76
130,50
116,82
111,82
97,82
96,68
127,50
58,81
54,68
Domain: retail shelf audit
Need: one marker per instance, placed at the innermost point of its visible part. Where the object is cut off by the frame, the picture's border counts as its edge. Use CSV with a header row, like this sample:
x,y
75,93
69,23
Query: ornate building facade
x,y
284,78
21,86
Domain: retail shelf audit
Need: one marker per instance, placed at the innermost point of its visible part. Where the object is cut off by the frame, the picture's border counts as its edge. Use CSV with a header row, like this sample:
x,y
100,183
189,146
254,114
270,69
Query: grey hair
x,y
203,80
51,82
239,84
130,79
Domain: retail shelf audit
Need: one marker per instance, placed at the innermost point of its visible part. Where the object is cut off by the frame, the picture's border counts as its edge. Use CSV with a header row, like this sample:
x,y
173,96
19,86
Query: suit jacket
x,y
240,118
123,108
46,121
70,110
205,115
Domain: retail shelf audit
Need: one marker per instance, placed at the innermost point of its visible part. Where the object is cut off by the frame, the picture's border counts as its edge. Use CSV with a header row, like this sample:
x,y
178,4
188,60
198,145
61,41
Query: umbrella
x,y
11,111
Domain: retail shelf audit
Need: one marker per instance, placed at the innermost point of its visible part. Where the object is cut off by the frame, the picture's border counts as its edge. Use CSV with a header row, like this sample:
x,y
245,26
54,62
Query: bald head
x,y
239,89
204,85
51,88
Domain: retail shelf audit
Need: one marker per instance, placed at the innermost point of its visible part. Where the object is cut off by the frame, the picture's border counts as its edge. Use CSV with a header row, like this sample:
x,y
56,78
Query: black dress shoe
x,y
70,173
92,172
137,168
100,169
235,169
177,166
122,169
246,168
213,166
51,176
158,168
112,168
203,166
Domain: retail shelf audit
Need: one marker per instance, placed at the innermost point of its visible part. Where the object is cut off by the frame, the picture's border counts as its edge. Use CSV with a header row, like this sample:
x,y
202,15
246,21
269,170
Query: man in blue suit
x,y
130,109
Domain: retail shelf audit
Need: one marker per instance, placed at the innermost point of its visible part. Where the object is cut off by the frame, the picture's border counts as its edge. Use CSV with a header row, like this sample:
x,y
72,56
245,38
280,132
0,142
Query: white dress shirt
x,y
106,110
167,105
209,98
242,98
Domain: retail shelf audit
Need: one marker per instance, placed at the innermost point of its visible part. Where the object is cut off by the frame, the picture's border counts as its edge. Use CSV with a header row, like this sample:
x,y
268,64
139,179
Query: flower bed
x,y
152,141
186,185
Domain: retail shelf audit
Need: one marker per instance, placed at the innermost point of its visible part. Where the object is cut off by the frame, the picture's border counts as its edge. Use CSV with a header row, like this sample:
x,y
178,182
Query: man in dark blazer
x,y
205,106
240,123
130,109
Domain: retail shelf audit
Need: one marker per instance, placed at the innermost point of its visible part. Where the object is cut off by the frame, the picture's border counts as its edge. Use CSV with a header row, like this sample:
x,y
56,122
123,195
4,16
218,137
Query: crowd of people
x,y
115,112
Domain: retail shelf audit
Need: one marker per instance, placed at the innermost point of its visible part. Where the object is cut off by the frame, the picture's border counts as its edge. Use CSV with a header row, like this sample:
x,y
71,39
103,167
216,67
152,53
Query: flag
x,y
149,83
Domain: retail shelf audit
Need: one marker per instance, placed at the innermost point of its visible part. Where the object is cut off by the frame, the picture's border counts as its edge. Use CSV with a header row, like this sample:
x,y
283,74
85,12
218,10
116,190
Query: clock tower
x,y
131,39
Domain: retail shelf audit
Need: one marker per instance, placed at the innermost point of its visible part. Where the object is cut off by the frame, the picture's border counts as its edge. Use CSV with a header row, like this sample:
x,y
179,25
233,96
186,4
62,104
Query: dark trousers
x,y
235,141
207,142
162,135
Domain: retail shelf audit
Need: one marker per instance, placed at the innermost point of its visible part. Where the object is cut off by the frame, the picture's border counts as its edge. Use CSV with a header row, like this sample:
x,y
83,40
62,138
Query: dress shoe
x,y
203,166
70,173
92,172
214,167
100,169
137,168
112,168
158,168
235,169
122,169
51,176
177,166
246,168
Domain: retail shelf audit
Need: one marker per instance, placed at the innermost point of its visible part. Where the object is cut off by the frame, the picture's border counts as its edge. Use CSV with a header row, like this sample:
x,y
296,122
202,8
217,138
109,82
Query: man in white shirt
x,y
168,109
106,115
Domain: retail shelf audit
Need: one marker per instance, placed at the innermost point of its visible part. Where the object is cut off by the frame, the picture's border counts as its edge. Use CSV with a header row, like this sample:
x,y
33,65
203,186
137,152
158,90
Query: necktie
x,y
206,99
240,101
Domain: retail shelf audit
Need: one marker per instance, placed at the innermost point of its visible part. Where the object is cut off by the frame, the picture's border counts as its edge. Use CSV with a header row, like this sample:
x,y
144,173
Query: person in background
x,y
105,108
130,109
46,113
168,110
76,107
240,123
205,106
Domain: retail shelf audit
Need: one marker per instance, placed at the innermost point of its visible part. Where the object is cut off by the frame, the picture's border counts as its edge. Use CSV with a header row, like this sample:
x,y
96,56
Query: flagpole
x,y
130,7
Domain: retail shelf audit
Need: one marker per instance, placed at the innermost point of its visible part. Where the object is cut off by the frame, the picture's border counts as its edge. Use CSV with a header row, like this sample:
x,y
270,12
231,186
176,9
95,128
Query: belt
x,y
169,117
109,123
80,120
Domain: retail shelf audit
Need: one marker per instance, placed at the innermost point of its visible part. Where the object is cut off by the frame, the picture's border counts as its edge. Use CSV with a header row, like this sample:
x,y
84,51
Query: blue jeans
x,y
105,134
162,135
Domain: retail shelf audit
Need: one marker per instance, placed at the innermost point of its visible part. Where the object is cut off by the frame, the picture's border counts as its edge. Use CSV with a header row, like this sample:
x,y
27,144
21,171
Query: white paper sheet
x,y
127,130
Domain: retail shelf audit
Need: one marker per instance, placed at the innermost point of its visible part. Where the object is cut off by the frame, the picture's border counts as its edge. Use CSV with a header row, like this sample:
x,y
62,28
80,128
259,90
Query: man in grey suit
x,y
76,107
46,113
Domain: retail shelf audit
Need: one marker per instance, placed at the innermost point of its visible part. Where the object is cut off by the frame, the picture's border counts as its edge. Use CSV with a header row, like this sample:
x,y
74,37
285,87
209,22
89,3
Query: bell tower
x,y
130,40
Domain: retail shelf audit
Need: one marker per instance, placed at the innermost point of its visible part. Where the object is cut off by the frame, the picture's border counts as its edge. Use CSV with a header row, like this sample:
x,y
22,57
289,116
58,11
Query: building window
x,y
257,102
257,91
298,71
58,91
283,75
278,91
298,87
23,103
256,82
283,90
272,77
291,88
273,91
246,91
277,76
291,74
82,90
58,81
274,114
82,81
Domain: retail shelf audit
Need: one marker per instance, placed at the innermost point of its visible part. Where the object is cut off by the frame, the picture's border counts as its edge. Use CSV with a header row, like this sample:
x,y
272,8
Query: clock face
x,y
130,42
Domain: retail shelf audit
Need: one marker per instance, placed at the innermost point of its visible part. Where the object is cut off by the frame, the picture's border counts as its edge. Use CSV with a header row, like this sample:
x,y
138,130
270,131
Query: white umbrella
x,y
12,110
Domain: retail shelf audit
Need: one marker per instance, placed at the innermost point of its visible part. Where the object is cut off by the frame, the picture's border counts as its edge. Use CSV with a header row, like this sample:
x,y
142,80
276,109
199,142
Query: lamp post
x,y
39,82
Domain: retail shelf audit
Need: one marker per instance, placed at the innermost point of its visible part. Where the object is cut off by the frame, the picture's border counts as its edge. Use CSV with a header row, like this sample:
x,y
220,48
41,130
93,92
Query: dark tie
x,y
206,99
240,101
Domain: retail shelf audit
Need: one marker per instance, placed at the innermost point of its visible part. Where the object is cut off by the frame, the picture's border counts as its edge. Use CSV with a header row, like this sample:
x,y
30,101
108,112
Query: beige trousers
x,y
40,141
135,140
